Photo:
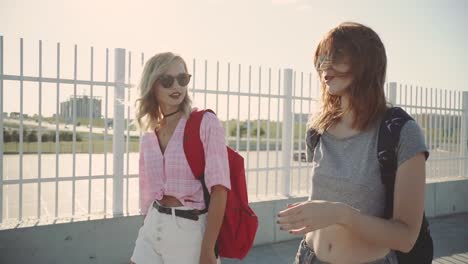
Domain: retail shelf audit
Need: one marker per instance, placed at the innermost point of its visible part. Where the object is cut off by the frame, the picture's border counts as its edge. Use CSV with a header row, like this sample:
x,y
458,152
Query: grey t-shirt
x,y
347,170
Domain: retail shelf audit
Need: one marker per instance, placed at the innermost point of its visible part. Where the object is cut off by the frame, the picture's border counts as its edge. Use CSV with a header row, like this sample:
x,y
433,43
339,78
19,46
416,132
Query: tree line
x,y
32,136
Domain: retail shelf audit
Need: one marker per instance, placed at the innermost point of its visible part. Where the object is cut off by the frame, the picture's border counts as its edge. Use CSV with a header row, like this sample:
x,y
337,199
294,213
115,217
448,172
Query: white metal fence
x,y
264,112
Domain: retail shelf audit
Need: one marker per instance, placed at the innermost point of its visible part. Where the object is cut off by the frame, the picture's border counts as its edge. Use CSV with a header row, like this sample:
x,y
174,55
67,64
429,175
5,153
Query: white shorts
x,y
169,239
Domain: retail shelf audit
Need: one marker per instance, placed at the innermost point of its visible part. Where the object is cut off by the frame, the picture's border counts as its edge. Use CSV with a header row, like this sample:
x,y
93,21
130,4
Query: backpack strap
x,y
193,148
195,154
389,136
312,139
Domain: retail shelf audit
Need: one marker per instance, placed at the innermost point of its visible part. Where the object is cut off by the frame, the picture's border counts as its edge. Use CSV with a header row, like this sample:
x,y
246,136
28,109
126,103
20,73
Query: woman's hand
x,y
207,256
302,218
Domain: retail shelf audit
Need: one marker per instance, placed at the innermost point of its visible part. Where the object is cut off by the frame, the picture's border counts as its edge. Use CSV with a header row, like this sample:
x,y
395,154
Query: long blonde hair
x,y
148,113
368,67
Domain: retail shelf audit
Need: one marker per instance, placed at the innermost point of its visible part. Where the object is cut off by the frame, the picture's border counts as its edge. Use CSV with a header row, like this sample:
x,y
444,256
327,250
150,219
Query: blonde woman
x,y
177,227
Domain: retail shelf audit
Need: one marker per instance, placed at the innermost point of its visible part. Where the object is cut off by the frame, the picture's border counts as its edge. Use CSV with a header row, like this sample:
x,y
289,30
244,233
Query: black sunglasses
x,y
167,80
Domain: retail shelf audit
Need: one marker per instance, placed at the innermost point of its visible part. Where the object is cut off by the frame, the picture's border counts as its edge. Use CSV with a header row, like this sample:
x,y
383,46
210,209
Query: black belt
x,y
188,214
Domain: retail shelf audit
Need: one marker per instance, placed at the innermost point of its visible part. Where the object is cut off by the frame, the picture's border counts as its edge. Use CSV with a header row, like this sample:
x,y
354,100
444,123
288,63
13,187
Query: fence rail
x,y
264,112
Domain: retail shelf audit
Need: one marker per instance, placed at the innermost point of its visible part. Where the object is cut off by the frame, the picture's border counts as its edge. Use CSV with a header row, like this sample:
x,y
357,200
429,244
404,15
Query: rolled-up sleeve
x,y
216,157
411,142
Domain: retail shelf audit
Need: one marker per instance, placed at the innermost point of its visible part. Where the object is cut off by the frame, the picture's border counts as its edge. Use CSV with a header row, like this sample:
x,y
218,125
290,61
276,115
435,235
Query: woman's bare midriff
x,y
169,201
337,245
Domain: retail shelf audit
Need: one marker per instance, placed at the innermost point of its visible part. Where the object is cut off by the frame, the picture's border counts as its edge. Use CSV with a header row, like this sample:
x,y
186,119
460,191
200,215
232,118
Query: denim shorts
x,y
306,255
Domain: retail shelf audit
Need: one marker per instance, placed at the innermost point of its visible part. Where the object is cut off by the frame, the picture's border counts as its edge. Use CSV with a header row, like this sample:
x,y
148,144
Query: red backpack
x,y
240,223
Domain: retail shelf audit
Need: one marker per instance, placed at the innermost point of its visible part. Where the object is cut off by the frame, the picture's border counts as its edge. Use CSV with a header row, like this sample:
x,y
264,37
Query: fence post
x,y
464,135
1,129
286,144
118,126
392,89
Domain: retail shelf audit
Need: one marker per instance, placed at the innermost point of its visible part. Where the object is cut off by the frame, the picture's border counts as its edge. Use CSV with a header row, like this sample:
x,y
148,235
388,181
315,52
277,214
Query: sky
x,y
426,41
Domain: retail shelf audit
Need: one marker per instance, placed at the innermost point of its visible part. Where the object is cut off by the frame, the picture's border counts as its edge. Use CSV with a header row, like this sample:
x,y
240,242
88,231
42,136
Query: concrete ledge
x,y
447,196
112,240
95,241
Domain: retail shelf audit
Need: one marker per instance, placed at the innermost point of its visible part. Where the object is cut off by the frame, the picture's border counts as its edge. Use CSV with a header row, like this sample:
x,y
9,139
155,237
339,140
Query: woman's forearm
x,y
388,233
215,217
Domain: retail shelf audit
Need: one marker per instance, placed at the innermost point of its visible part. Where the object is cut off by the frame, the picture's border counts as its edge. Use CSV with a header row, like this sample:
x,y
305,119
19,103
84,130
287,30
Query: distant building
x,y
82,107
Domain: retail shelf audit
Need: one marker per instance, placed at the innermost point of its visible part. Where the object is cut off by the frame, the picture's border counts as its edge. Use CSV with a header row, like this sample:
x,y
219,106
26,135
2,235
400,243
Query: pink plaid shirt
x,y
170,174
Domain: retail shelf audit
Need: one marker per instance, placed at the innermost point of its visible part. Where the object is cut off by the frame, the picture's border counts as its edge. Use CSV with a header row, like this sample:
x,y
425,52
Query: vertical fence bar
x,y
277,132
310,112
118,126
408,98
432,120
439,128
434,127
287,131
438,124
39,136
74,130
293,130
459,100
238,135
206,83
450,127
457,119
426,113
300,133
464,134
432,123
248,124
142,63
127,140
422,112
217,86
106,131
258,125
268,134
412,111
193,79
228,94
1,129
445,134
459,132
57,138
91,119
20,205
392,91
387,92
420,105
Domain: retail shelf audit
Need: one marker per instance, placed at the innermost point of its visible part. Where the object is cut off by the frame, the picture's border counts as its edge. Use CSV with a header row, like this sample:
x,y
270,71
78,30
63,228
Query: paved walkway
x,y
450,236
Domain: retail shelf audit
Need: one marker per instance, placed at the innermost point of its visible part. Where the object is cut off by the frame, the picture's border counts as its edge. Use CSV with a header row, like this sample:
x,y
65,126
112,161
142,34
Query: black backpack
x,y
389,136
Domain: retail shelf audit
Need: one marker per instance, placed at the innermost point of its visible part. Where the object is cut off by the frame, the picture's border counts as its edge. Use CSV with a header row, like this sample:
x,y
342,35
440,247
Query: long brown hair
x,y
368,62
